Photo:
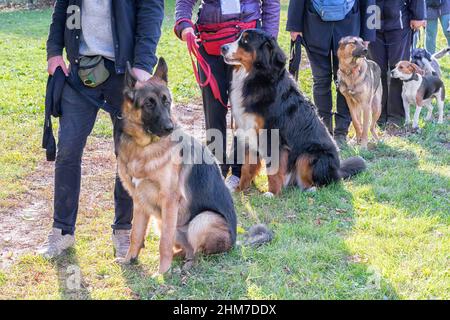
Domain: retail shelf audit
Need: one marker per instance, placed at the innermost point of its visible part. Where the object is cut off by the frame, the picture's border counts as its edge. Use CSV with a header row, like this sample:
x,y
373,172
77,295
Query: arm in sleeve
x,y
296,14
150,14
55,40
368,16
271,16
418,9
183,10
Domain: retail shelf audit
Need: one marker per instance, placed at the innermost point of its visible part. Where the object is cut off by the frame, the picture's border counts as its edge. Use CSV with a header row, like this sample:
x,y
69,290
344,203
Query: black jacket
x,y
136,32
320,36
397,14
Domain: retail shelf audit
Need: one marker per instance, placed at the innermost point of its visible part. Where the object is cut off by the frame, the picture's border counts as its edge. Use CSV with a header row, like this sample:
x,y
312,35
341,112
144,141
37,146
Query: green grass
x,y
383,235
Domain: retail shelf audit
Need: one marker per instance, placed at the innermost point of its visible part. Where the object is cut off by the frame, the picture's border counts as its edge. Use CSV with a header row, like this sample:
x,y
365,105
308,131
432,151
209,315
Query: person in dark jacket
x,y
267,15
115,32
321,33
437,10
399,18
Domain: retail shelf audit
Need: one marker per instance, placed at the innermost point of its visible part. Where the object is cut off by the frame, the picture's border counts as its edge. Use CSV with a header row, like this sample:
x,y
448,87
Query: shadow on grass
x,y
70,279
396,177
307,259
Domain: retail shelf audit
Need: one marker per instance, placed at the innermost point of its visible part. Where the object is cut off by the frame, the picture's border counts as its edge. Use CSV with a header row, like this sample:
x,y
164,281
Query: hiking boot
x,y
232,183
56,243
121,242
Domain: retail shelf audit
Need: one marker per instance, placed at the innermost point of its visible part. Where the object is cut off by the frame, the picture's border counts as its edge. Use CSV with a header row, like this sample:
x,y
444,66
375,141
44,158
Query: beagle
x,y
419,89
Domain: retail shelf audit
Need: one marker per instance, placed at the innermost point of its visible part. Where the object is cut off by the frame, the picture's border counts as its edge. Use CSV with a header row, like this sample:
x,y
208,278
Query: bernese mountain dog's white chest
x,y
243,120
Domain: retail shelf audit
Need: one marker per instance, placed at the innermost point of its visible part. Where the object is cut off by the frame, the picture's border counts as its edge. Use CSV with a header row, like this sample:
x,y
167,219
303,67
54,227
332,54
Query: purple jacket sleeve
x,y
271,16
183,10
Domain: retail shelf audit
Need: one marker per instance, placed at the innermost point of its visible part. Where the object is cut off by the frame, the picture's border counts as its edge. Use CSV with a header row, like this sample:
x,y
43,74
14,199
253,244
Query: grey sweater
x,y
97,36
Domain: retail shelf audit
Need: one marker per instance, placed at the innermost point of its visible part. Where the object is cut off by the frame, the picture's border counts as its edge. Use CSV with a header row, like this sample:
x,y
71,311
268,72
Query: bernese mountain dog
x,y
264,96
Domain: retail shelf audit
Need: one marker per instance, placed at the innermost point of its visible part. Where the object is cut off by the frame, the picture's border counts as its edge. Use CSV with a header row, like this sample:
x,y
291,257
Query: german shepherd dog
x,y
264,96
359,81
189,202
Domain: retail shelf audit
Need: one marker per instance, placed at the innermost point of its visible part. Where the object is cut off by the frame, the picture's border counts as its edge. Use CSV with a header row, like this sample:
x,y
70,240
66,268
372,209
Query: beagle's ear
x,y
417,69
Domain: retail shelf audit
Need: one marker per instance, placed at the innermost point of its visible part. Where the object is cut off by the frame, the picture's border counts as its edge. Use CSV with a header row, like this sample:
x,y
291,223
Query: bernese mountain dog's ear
x,y
271,60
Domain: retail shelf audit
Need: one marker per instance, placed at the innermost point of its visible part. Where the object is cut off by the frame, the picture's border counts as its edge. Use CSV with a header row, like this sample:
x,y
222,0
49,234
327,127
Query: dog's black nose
x,y
366,51
168,127
224,48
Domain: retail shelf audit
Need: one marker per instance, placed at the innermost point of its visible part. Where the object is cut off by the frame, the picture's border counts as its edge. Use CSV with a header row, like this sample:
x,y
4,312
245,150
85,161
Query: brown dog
x,y
185,195
359,81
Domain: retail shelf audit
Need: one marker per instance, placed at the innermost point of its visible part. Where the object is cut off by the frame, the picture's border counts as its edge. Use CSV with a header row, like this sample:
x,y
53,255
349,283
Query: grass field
x,y
383,235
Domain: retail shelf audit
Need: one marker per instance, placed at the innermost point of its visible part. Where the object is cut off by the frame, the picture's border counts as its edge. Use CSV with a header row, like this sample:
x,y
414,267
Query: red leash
x,y
194,52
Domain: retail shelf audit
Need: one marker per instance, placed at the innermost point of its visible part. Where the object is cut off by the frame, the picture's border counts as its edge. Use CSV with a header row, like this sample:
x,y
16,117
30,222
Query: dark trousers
x,y
390,48
75,125
324,70
215,112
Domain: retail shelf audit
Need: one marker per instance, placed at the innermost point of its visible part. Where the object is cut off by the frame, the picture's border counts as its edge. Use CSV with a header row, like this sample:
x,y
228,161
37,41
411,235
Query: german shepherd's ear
x,y
161,70
130,82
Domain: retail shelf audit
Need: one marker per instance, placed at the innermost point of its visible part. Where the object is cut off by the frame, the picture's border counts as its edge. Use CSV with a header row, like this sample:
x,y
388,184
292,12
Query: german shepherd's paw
x,y
125,261
188,265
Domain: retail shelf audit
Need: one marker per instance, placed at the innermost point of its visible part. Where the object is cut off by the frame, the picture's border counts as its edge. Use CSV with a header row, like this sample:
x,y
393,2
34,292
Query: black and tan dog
x,y
264,96
188,199
359,81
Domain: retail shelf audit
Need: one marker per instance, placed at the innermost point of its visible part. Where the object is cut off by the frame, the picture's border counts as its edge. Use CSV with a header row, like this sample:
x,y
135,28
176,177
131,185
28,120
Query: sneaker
x,y
121,242
232,183
56,243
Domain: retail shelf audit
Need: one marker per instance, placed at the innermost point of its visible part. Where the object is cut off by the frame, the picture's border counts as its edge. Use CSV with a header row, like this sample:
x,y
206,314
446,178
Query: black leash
x,y
98,103
295,57
53,103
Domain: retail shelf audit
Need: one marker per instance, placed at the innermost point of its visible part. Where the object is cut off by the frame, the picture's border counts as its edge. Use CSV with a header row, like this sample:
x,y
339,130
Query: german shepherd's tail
x,y
351,167
257,235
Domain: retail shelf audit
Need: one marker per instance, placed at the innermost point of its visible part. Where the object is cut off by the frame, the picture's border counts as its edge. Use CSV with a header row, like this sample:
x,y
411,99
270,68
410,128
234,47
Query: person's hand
x,y
185,32
55,62
141,75
294,35
417,24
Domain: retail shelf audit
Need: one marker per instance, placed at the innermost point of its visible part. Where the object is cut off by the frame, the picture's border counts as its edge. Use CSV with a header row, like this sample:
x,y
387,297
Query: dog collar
x,y
413,78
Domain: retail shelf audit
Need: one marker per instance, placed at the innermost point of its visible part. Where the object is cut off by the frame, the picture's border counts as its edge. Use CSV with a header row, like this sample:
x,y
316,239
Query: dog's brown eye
x,y
150,102
165,100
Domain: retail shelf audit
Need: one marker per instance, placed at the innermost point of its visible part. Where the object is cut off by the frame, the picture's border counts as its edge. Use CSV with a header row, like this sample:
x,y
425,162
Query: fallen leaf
x,y
240,230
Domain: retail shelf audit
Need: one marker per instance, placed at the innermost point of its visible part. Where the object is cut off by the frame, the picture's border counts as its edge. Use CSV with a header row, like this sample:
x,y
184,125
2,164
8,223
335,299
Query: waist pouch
x,y
92,71
215,35
333,10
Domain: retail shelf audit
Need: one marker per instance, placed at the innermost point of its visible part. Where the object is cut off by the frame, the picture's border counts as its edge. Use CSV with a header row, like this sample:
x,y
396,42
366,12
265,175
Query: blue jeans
x,y
431,31
75,125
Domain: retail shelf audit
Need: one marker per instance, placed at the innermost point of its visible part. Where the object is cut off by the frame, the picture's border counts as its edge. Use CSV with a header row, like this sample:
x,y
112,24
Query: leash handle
x,y
195,55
